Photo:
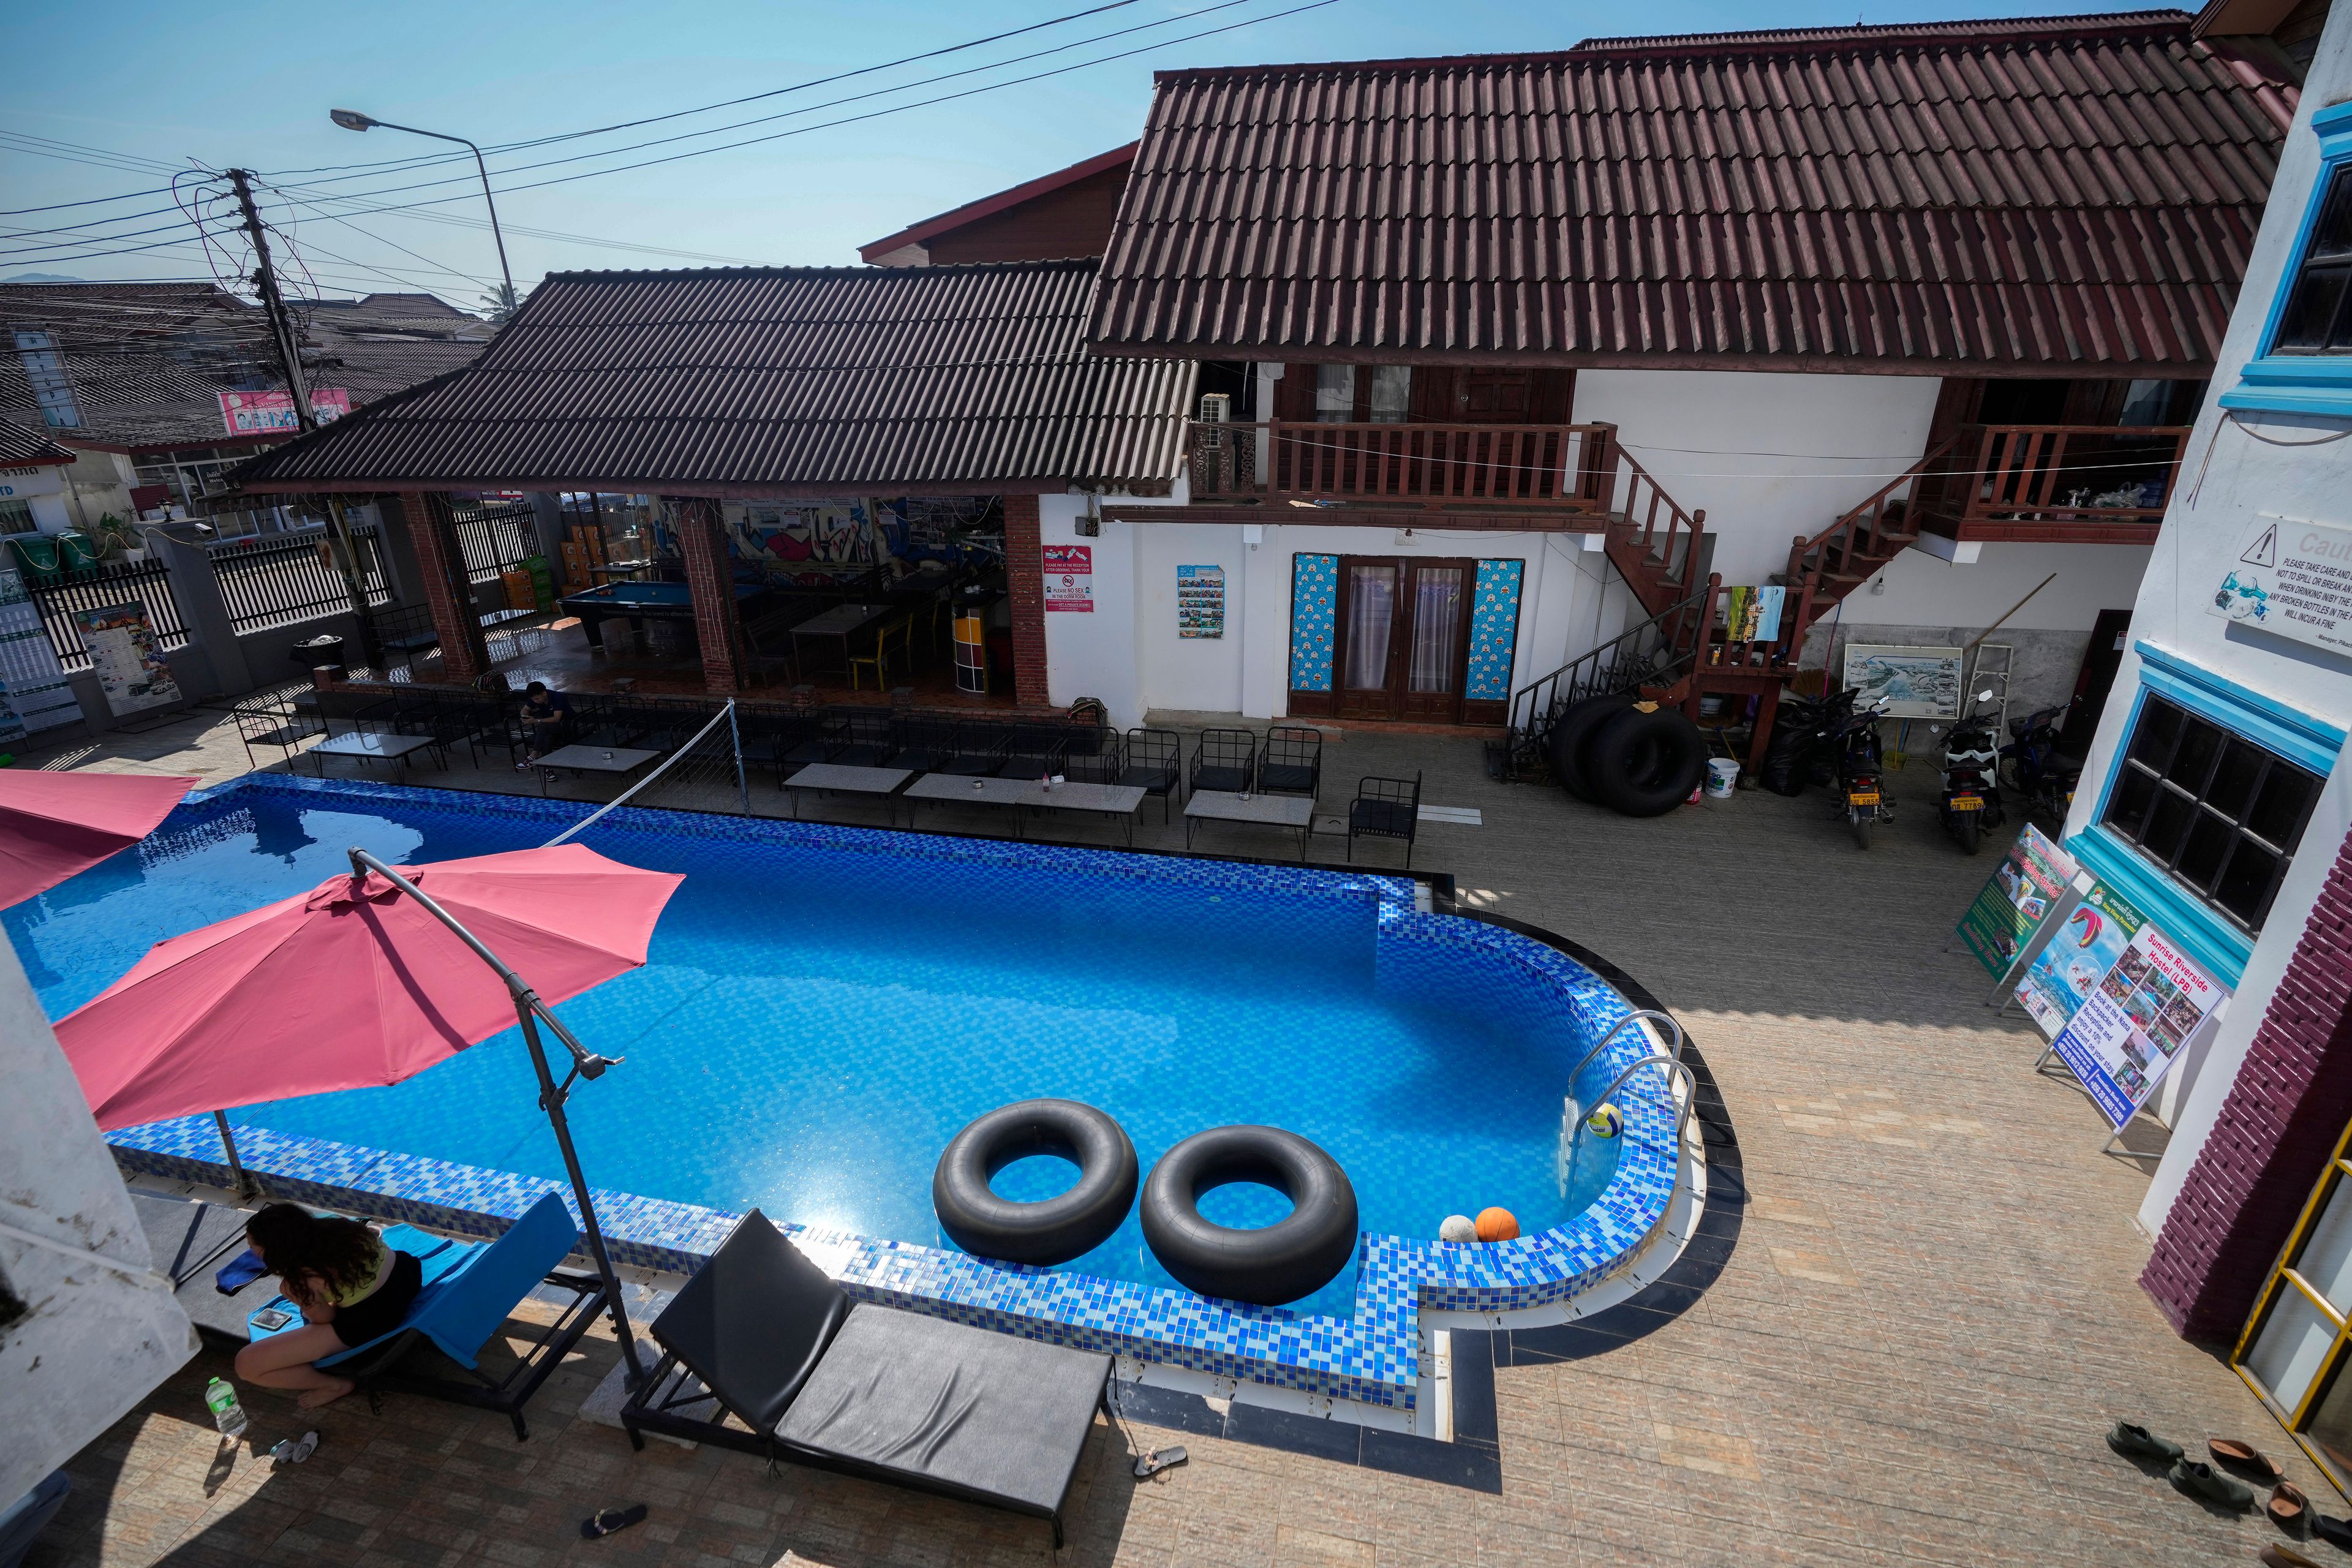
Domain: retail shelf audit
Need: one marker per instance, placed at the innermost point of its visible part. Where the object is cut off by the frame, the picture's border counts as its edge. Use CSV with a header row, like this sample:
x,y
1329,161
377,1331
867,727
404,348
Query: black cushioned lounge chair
x,y
1155,765
922,745
1385,808
1035,750
979,750
1292,763
1092,754
1224,759
761,1334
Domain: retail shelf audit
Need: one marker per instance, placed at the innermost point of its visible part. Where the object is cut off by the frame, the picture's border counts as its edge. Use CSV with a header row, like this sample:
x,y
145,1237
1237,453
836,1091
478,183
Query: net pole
x,y
735,739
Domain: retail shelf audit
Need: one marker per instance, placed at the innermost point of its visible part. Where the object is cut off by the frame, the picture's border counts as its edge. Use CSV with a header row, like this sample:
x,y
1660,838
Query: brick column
x,y
2283,1112
441,561
1025,570
716,627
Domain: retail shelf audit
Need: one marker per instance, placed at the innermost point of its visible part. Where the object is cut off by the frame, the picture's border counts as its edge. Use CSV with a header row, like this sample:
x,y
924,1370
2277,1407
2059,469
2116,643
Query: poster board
x,y
258,413
2139,1018
2030,889
2066,972
2293,578
130,669
1914,682
1200,601
1753,615
1070,578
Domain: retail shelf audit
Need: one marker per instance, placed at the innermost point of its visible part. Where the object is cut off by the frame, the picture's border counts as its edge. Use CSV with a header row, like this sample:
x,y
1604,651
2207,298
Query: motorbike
x,y
1970,802
2032,765
1861,769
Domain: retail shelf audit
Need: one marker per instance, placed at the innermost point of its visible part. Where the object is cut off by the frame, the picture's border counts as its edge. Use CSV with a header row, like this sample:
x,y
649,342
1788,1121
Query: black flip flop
x,y
609,1520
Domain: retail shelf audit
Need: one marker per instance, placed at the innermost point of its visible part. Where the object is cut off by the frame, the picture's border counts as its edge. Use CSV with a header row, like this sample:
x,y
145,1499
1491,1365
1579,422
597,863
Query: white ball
x,y
1458,1227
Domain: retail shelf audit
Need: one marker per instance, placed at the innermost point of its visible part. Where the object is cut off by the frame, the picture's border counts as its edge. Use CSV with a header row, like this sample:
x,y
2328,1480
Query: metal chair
x,y
1155,765
1292,763
1385,808
980,748
1224,759
275,724
1091,753
892,632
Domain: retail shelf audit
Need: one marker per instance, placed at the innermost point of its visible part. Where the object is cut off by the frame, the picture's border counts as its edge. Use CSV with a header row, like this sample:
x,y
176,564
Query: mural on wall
x,y
1314,614
1494,631
954,530
794,534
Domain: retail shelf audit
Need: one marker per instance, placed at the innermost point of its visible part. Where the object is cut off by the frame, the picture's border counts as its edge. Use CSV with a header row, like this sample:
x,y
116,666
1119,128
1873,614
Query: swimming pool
x,y
824,1008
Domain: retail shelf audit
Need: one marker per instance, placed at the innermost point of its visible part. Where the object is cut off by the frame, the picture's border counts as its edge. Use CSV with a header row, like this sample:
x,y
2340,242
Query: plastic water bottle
x,y
228,1414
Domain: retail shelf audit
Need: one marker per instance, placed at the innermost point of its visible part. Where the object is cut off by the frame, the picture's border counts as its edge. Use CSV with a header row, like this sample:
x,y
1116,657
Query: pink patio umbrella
x,y
53,825
368,979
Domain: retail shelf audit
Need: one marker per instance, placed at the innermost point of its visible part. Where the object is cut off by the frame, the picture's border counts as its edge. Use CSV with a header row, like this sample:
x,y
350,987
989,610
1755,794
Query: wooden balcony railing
x,y
2053,480
1567,467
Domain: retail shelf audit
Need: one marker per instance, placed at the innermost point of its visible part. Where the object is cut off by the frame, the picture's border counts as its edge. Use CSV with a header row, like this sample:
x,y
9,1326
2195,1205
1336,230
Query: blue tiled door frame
x,y
2279,729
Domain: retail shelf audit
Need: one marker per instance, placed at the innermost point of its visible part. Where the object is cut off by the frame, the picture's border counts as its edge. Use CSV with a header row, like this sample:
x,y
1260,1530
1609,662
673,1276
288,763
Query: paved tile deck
x,y
1928,1319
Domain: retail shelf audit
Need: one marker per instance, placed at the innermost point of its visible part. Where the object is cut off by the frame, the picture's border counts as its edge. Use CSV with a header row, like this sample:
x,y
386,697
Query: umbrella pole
x,y
551,1095
247,1187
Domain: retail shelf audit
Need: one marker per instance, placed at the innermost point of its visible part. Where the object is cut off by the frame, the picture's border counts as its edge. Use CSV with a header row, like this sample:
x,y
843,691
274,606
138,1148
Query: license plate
x,y
1860,798
1967,802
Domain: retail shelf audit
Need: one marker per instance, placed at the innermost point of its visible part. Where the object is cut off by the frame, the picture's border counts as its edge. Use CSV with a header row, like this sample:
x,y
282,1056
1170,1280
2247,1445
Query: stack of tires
x,y
1632,756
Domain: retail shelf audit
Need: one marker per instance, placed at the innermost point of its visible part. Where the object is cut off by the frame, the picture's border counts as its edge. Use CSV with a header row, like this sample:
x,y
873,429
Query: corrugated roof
x,y
22,449
2010,195
774,379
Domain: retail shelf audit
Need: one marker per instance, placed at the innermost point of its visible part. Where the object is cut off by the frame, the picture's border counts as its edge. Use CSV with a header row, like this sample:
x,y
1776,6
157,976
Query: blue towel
x,y
239,1271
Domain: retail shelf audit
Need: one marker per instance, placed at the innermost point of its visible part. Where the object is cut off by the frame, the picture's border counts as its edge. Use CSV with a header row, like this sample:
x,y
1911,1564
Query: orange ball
x,y
1498,1225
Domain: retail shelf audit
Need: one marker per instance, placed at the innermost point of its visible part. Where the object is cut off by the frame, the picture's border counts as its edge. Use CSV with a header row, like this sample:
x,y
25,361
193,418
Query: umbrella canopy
x,y
55,825
354,984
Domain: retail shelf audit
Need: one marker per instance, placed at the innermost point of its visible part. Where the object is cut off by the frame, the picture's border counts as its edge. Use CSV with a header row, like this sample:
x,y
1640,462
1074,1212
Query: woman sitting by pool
x,y
351,1287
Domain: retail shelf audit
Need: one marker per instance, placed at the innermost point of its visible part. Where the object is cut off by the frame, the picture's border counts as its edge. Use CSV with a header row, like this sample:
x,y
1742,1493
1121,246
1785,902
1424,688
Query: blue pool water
x,y
815,1023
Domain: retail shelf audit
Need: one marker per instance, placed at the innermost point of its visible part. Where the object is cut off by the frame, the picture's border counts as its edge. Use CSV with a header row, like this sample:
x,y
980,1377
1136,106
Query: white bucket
x,y
1722,776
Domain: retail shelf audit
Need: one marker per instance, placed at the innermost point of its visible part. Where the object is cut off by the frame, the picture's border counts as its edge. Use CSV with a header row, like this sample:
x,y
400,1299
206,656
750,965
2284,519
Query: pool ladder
x,y
1669,1061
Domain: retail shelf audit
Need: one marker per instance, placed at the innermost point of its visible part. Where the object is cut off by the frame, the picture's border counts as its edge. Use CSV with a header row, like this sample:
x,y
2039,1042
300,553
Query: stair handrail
x,y
1848,523
1619,1028
1573,1113
1692,607
1685,528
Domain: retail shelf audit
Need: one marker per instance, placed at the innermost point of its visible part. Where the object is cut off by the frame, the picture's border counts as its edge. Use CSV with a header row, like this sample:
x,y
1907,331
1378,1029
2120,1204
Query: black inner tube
x,y
1295,1256
1057,1228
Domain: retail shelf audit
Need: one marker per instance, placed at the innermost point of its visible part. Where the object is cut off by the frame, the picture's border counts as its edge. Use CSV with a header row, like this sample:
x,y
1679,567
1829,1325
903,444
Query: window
x,y
1391,392
1335,393
2145,403
2219,814
45,368
2305,365
16,517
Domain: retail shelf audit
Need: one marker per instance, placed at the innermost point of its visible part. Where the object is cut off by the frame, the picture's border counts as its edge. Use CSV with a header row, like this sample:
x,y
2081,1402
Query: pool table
x,y
639,601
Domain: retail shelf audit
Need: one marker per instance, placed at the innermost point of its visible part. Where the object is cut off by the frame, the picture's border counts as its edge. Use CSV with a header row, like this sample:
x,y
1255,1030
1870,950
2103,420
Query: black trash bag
x,y
1790,754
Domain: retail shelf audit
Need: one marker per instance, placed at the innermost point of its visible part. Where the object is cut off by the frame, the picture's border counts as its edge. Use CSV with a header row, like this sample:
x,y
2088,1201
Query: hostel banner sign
x,y
2030,888
2148,1006
1070,577
2292,578
255,413
2087,945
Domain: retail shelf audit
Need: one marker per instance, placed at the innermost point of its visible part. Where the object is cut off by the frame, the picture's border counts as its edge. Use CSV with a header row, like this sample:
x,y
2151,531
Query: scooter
x,y
2032,765
1861,772
1972,797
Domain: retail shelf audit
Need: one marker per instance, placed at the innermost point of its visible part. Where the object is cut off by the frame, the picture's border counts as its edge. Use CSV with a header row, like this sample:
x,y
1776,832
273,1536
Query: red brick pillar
x,y
2271,1140
448,591
716,626
1025,570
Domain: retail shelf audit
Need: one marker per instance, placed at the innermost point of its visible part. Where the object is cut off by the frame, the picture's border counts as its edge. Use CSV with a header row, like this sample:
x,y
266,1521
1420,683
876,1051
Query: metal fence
x,y
104,587
284,583
495,538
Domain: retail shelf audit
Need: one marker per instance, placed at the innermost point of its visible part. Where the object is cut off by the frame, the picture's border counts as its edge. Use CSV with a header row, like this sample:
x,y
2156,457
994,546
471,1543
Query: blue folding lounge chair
x,y
470,1288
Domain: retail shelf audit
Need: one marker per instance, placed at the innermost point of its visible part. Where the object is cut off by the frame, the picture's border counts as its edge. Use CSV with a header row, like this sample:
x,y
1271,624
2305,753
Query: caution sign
x,y
2292,578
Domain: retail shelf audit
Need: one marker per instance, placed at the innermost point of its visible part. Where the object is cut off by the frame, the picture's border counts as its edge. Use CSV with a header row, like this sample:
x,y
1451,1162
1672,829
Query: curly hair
x,y
344,1253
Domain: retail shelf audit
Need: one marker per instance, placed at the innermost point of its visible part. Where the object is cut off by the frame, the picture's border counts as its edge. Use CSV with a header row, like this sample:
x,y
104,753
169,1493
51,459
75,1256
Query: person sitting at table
x,y
546,715
351,1287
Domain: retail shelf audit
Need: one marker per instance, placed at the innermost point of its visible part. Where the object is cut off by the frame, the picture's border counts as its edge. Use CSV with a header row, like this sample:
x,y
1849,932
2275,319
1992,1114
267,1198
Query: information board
x,y
1200,601
2087,945
2293,578
1070,577
2031,887
130,669
2147,1006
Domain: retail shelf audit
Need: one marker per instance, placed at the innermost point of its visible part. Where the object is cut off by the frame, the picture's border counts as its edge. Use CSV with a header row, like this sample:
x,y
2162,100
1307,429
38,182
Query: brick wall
x,y
2270,1140
1025,573
448,592
716,627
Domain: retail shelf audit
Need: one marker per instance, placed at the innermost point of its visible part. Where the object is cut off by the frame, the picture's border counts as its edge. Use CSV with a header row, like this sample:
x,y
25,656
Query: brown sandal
x,y
2245,1455
2288,1505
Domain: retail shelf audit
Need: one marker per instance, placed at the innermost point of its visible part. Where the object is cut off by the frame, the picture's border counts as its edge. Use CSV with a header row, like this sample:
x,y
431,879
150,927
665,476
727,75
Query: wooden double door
x,y
1401,638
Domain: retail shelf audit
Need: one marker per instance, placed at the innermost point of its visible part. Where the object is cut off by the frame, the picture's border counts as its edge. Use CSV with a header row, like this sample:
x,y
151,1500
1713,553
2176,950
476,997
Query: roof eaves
x,y
989,205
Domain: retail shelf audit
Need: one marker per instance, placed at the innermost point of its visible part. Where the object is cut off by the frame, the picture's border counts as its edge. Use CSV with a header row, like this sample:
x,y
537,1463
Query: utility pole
x,y
289,346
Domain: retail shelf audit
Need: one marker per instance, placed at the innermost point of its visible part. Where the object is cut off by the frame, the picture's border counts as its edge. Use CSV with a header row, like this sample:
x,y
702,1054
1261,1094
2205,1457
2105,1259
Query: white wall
x,y
2243,474
1779,455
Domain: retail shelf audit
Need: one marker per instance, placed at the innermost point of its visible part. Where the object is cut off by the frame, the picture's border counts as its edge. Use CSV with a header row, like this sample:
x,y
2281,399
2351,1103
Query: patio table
x,y
1108,800
366,744
618,762
839,624
1261,810
834,778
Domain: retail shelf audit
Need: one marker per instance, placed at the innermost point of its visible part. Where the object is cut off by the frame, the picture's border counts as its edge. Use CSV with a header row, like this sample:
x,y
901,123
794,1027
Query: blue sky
x,y
154,86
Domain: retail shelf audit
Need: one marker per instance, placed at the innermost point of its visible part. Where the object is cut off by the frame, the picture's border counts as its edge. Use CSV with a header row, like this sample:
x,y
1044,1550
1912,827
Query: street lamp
x,y
353,119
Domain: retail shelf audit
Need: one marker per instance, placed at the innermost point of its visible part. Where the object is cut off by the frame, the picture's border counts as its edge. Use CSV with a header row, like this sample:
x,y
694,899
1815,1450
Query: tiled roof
x,y
769,380
2014,196
972,212
22,449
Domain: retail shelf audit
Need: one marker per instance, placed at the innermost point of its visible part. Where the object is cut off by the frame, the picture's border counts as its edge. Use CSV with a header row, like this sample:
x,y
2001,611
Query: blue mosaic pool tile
x,y
1371,1356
